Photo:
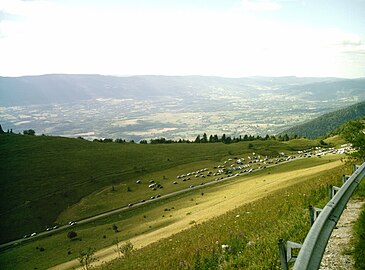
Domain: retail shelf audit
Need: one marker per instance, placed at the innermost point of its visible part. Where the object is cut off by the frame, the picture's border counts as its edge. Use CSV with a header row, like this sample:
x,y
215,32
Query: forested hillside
x,y
328,122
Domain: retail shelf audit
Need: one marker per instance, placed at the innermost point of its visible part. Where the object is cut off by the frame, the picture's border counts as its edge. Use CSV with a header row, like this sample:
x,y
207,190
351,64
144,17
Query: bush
x,y
126,248
71,234
115,228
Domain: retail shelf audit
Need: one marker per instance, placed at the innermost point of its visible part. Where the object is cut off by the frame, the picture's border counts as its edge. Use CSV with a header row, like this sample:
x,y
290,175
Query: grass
x,y
251,230
336,141
359,242
145,220
44,176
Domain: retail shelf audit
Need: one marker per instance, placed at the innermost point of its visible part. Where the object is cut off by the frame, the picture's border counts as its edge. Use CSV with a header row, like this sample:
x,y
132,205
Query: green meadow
x,y
143,221
251,231
42,177
52,180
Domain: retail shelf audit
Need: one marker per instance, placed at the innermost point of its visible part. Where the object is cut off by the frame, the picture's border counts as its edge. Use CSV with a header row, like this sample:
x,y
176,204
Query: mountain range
x,y
63,88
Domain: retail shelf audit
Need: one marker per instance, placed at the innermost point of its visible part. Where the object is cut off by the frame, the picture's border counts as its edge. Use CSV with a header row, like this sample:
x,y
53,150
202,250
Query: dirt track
x,y
335,257
215,203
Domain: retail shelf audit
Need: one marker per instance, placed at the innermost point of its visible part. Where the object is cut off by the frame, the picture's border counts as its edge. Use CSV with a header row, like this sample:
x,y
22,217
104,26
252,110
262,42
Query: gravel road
x,y
334,257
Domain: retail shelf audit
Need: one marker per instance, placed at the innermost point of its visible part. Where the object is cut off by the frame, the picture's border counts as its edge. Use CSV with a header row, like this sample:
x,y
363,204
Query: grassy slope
x,y
251,230
359,243
138,220
43,176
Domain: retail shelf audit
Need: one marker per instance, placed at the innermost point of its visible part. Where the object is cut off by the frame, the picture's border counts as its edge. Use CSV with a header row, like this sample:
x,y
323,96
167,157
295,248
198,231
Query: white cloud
x,y
56,38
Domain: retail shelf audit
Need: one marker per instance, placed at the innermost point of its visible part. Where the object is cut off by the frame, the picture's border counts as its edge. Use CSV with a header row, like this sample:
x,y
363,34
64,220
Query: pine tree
x,y
204,139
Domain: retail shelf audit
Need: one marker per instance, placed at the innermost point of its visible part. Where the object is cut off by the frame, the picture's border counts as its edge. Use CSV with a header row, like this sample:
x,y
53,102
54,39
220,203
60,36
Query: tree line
x,y
199,139
223,139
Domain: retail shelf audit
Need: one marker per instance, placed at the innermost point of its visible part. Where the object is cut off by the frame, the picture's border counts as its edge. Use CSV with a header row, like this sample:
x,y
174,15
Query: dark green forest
x,y
328,122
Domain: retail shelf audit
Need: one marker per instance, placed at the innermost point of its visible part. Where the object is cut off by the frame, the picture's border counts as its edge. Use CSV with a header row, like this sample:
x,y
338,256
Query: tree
x,y
197,140
227,140
30,132
71,234
322,142
353,132
86,258
223,138
1,130
204,139
115,228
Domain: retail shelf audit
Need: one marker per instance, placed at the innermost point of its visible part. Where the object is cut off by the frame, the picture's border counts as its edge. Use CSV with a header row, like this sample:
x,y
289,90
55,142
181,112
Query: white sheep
x,y
225,247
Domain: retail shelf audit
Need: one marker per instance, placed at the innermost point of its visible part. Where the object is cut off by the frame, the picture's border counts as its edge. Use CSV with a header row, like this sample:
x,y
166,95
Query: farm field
x,y
164,218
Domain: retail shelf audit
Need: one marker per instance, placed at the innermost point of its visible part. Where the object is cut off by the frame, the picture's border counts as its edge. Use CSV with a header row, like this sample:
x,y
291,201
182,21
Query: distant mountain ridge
x,y
64,88
328,122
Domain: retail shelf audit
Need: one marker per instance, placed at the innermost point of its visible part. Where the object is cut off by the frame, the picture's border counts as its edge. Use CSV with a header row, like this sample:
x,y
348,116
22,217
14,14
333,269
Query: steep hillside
x,y
41,176
328,122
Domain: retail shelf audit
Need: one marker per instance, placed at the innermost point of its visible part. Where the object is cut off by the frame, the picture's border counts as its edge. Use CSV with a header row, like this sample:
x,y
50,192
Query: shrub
x,y
126,249
71,234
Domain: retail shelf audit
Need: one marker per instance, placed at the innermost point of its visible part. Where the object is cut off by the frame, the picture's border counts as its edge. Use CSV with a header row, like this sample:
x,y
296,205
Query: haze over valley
x,y
174,107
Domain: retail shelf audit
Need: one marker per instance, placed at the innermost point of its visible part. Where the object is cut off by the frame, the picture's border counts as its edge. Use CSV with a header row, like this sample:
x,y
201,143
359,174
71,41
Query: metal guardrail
x,y
311,252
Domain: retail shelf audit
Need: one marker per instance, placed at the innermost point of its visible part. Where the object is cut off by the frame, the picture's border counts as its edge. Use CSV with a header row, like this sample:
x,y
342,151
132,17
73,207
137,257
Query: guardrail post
x,y
311,253
345,178
333,191
330,192
282,250
355,167
289,247
313,214
286,255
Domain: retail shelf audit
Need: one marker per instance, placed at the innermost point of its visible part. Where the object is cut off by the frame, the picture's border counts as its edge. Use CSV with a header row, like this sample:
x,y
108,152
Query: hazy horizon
x,y
173,75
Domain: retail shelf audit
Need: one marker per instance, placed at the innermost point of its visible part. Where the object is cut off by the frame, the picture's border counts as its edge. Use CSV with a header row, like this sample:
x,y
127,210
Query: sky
x,y
229,38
